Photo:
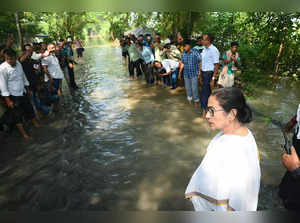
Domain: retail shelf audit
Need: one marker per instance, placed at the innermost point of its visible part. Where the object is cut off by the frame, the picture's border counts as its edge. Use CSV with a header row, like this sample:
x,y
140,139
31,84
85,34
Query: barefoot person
x,y
13,82
158,54
169,70
53,72
79,49
228,177
135,59
148,58
208,71
191,59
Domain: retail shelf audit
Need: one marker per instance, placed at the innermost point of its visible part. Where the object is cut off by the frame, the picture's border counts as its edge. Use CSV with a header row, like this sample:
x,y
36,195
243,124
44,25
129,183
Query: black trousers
x,y
22,109
289,187
148,70
138,65
8,120
72,77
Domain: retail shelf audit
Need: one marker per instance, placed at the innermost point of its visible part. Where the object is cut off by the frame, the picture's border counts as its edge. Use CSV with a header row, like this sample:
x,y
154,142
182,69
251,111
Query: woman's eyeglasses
x,y
211,111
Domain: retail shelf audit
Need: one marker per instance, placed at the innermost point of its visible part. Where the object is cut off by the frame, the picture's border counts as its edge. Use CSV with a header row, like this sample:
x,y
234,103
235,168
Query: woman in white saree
x,y
228,178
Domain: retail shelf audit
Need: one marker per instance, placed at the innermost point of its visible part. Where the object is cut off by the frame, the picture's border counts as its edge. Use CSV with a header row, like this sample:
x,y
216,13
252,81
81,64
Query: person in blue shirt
x,y
148,58
141,40
149,42
191,59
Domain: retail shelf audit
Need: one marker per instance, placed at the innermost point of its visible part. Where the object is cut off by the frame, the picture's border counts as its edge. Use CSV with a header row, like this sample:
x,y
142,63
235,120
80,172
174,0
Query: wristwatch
x,y
213,78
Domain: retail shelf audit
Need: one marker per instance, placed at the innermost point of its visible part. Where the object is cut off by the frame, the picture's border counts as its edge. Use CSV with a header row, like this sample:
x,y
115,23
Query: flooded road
x,y
123,145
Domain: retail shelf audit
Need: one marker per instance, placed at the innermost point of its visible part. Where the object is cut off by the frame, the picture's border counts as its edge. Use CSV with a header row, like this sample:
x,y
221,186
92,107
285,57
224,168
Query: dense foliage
x,y
269,41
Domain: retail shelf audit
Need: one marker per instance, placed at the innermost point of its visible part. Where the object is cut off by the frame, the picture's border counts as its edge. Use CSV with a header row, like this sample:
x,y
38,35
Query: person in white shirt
x,y
53,72
228,178
168,68
209,68
12,86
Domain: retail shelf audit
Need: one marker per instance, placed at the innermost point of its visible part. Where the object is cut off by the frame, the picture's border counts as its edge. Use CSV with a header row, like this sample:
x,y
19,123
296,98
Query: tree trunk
x,y
177,18
19,30
112,36
191,19
190,25
127,18
174,25
278,57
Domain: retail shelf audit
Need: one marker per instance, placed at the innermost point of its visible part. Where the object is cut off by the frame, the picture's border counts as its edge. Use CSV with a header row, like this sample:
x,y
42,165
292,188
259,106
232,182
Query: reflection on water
x,y
122,145
279,103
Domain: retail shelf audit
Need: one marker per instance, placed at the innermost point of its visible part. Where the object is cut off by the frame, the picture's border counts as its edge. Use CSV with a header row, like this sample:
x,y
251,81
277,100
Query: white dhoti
x,y
225,79
228,178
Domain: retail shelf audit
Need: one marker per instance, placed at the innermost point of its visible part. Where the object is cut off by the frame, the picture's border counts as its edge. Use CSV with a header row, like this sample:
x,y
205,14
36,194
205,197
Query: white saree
x,y
228,177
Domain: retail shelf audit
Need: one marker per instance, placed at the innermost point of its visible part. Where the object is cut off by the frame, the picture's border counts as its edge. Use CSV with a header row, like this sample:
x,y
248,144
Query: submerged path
x,y
118,145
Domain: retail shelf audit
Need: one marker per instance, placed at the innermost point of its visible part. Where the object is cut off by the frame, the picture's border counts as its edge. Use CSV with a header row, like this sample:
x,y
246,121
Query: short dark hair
x,y
187,42
234,44
233,98
61,40
35,44
141,35
139,44
199,38
10,53
210,37
157,34
24,47
167,46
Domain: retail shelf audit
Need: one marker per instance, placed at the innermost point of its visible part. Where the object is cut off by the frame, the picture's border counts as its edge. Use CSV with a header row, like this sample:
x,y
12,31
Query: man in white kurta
x,y
229,176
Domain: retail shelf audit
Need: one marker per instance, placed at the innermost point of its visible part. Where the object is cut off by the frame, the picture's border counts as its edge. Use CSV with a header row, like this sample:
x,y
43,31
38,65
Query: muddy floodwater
x,y
123,145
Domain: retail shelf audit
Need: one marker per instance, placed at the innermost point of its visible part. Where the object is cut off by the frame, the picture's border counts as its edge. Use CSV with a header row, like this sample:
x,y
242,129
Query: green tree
x,y
118,23
64,24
